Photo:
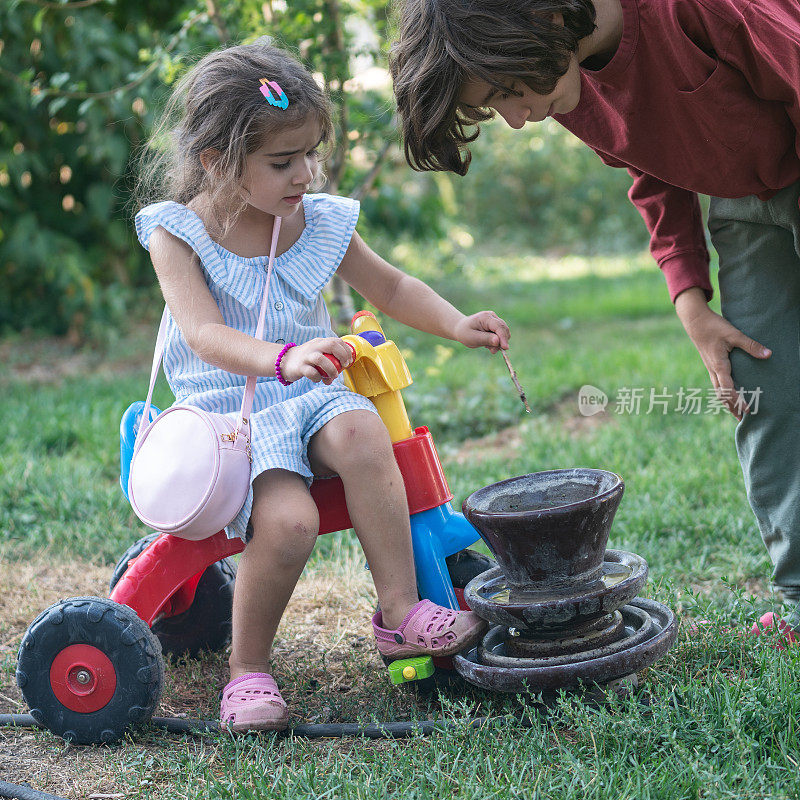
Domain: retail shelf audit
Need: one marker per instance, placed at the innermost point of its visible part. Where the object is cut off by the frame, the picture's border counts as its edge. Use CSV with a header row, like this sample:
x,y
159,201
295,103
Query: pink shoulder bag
x,y
190,470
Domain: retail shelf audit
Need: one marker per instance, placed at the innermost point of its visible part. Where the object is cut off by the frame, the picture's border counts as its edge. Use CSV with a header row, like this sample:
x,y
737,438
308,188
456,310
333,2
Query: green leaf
x,y
100,202
38,19
57,104
59,79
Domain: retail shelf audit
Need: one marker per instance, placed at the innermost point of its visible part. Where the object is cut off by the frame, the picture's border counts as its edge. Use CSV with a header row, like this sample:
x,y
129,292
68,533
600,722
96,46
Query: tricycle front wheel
x,y
90,669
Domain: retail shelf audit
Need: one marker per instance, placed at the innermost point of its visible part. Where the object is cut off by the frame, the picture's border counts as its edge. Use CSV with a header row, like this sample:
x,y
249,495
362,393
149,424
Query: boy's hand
x,y
302,360
484,329
715,337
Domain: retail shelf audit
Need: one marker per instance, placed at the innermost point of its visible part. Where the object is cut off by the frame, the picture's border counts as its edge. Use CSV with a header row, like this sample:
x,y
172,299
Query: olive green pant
x,y
759,279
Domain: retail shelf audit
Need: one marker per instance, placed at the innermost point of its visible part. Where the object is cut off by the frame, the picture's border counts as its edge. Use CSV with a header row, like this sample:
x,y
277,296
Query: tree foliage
x,y
559,193
80,83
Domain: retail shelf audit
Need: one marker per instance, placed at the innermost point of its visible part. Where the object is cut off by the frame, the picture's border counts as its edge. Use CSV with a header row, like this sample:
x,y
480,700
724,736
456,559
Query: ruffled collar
x,y
233,272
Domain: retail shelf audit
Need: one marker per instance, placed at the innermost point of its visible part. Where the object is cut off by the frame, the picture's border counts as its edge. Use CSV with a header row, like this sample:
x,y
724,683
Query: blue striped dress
x,y
284,418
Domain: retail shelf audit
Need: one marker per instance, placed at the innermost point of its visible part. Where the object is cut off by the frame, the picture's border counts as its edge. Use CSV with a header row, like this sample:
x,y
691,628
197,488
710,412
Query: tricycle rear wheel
x,y
206,624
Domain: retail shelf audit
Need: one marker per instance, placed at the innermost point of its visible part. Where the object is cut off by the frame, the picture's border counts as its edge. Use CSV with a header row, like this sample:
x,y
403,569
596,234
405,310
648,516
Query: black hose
x,y
23,791
382,730
373,730
387,730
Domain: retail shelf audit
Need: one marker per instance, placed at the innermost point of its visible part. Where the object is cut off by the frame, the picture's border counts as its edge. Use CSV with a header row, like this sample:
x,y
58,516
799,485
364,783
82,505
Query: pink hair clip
x,y
278,99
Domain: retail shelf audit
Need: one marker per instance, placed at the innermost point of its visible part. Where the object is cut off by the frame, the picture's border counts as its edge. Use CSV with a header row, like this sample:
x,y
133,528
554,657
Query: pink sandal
x,y
252,702
771,624
429,630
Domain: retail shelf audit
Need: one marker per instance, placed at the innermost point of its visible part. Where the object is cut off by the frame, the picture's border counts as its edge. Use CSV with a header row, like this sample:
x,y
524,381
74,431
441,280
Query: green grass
x,y
721,718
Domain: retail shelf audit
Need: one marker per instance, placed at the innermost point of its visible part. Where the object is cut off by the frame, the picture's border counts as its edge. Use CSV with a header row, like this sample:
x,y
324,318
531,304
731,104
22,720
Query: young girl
x,y
690,96
238,157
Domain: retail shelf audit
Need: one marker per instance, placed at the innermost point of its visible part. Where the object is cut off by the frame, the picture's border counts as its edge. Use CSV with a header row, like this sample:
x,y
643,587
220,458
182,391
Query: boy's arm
x,y
677,242
677,233
762,41
764,45
412,302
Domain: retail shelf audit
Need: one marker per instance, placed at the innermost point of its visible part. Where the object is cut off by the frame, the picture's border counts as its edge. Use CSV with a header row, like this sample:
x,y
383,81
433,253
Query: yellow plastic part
x,y
409,673
379,373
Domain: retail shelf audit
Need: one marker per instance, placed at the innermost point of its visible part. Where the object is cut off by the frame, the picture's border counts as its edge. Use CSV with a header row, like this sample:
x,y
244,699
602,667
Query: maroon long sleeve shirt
x,y
701,96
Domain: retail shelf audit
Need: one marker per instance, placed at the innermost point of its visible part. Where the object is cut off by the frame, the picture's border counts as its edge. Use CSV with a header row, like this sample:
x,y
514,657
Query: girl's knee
x,y
365,447
287,532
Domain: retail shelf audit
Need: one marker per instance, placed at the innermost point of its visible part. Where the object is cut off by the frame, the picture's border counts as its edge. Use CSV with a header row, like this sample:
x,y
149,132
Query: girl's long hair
x,y
217,106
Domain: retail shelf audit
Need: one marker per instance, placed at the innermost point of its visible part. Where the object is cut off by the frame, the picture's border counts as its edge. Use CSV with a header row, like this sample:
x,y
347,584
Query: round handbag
x,y
190,470
190,473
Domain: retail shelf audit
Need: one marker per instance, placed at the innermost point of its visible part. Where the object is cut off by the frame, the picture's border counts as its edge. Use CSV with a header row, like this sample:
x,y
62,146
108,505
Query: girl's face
x,y
280,172
528,106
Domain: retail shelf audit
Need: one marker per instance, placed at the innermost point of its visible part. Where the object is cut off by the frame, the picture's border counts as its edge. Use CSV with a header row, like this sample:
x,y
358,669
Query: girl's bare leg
x,y
285,526
356,446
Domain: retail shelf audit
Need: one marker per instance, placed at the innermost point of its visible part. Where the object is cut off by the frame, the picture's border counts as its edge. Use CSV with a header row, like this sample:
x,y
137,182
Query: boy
x,y
690,96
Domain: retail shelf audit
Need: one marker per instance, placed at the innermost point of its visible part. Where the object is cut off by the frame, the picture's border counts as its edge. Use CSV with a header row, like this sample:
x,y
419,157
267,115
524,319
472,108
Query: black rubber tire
x,y
126,641
464,565
206,624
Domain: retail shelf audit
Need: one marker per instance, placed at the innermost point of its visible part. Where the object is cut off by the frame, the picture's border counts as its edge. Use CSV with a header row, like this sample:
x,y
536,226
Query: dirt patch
x,y
28,755
73,366
31,586
576,424
52,359
508,442
324,660
505,443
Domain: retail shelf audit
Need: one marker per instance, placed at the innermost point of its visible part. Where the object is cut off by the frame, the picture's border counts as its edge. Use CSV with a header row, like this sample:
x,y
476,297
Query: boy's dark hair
x,y
445,42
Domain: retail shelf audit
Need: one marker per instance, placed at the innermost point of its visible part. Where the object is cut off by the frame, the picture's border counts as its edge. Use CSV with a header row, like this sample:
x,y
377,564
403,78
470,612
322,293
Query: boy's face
x,y
528,106
280,172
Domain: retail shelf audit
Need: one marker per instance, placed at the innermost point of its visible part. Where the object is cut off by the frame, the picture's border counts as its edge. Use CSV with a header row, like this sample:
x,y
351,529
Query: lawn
x,y
717,717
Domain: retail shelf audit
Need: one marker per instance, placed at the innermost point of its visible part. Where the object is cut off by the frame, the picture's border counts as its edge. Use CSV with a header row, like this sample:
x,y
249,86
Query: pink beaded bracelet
x,y
282,353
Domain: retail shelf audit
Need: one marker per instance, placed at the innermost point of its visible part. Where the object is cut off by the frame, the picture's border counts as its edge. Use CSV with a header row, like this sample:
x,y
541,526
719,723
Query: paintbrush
x,y
513,373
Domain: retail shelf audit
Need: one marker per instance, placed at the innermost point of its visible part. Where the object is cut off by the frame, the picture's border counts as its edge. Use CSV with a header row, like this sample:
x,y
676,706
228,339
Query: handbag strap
x,y
250,385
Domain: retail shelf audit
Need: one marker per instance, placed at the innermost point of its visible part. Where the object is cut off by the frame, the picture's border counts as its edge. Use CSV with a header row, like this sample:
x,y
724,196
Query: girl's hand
x,y
715,337
302,360
484,329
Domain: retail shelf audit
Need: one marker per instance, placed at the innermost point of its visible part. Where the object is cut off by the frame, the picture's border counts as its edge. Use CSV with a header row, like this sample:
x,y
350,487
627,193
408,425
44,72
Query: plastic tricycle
x,y
90,668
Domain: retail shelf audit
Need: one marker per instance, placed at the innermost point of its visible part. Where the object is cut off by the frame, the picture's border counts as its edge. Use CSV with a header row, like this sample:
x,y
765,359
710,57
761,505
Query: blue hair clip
x,y
273,94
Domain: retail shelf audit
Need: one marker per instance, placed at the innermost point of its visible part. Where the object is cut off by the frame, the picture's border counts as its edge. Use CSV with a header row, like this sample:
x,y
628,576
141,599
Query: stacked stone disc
x,y
565,611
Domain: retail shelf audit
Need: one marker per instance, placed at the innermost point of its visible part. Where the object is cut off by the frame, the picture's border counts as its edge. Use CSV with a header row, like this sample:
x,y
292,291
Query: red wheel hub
x,y
83,678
